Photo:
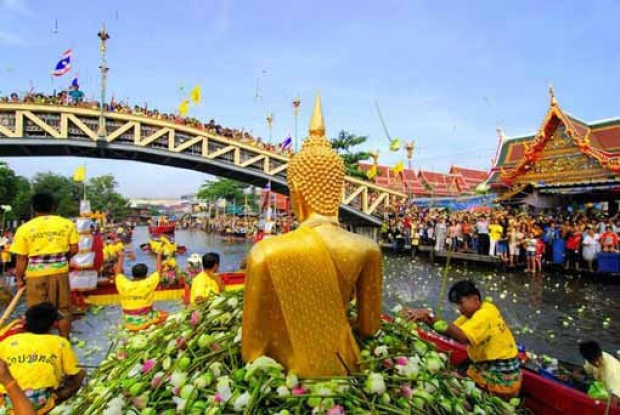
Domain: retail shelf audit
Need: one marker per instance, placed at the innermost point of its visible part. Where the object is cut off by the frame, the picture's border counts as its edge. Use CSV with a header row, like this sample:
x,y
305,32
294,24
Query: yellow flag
x,y
196,95
399,168
79,174
183,108
372,172
395,144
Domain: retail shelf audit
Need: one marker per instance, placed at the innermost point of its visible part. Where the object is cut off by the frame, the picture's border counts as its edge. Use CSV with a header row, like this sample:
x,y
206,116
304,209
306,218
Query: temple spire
x,y
554,101
317,125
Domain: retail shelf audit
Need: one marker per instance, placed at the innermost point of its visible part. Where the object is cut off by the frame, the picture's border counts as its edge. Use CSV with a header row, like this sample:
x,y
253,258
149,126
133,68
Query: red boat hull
x,y
161,230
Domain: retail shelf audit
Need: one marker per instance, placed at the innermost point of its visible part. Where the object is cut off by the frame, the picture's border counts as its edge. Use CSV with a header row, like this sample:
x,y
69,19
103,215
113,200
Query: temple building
x,y
459,181
568,161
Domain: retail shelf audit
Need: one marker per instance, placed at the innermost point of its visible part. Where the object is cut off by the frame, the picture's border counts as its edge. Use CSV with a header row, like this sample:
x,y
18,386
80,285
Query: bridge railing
x,y
80,124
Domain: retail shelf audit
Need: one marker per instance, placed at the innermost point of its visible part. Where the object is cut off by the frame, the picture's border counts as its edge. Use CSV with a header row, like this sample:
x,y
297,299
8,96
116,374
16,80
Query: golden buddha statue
x,y
299,285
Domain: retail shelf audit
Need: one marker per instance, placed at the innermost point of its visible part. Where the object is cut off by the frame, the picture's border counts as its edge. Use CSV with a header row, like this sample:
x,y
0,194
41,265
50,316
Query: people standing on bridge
x,y
43,246
491,346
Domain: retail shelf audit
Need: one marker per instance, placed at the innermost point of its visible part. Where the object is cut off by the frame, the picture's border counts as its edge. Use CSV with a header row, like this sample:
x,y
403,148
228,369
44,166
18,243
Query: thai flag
x,y
64,65
287,144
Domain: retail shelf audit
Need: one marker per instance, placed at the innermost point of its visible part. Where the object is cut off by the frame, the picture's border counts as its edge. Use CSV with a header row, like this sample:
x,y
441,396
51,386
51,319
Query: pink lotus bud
x,y
406,391
148,365
388,363
336,410
298,391
140,402
176,391
195,318
159,376
217,398
121,355
401,361
181,343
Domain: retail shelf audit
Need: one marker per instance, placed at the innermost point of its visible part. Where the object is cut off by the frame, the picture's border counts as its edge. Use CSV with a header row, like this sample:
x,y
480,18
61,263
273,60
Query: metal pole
x,y
296,104
104,36
270,124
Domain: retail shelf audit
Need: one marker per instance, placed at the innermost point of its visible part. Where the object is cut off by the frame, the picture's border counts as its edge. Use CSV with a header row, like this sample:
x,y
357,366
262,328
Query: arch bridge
x,y
45,130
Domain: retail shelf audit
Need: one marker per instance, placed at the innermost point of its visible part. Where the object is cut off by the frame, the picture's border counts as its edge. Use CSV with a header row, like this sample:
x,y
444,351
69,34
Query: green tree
x,y
22,200
8,181
65,191
231,190
343,144
102,194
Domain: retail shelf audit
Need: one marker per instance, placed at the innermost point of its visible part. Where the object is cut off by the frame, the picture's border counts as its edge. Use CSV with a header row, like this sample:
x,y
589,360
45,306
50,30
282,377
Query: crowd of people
x,y
74,97
516,237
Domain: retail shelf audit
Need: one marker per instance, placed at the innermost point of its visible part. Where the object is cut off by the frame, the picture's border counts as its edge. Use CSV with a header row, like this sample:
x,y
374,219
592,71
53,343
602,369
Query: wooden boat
x,y
106,293
162,230
541,395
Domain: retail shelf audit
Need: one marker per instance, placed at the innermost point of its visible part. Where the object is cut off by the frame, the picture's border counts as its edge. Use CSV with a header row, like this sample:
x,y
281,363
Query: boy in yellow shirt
x,y
491,346
137,294
207,282
43,365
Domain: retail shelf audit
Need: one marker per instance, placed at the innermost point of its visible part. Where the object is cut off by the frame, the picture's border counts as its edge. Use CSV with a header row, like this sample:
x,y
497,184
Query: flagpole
x,y
296,104
104,36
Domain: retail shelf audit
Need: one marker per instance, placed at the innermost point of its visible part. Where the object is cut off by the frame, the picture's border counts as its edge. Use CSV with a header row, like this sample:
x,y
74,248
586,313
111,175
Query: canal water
x,y
548,314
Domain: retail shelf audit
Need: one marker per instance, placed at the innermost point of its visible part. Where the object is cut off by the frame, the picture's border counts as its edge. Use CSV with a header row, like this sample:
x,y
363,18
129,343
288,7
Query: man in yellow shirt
x,y
491,346
43,247
138,294
43,365
207,282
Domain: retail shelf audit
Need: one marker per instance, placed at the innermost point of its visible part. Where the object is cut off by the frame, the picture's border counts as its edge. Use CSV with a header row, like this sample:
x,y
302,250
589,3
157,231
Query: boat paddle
x,y
11,307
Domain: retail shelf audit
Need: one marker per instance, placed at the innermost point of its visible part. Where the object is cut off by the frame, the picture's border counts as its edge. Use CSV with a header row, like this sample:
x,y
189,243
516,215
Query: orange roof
x,y
386,178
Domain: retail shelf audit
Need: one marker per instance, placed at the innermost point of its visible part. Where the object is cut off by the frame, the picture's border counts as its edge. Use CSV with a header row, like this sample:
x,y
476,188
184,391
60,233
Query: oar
x,y
9,310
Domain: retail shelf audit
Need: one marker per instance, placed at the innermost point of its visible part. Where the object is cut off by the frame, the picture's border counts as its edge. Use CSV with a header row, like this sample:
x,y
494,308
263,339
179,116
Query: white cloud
x,y
15,6
10,39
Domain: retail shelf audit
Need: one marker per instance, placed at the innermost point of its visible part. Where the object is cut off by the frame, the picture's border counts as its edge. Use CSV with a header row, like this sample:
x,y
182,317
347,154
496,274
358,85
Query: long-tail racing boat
x,y
541,395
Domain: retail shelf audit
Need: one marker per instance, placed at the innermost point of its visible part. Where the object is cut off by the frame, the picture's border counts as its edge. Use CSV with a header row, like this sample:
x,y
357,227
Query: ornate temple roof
x,y
387,178
596,142
467,179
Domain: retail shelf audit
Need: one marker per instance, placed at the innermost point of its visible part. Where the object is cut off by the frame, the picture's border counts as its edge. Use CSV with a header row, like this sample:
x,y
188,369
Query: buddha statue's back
x,y
299,285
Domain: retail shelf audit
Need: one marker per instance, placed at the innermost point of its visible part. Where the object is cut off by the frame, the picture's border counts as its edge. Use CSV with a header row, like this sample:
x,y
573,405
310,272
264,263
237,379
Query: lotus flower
x,y
140,401
241,402
406,391
381,351
402,361
283,391
178,379
375,384
223,388
298,391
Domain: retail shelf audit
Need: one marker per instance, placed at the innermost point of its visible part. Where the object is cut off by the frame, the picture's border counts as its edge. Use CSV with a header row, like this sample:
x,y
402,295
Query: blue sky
x,y
445,73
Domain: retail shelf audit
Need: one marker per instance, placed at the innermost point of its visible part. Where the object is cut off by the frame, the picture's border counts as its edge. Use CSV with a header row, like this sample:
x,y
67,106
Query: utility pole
x,y
104,36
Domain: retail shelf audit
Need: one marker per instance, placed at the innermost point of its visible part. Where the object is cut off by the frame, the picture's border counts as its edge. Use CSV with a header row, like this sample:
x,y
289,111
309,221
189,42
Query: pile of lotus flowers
x,y
192,365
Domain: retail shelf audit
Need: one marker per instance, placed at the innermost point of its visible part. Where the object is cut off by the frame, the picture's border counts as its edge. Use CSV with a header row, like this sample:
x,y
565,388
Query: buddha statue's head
x,y
316,173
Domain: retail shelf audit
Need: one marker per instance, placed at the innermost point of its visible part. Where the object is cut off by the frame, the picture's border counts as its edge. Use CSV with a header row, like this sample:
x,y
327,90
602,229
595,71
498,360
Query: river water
x,y
548,314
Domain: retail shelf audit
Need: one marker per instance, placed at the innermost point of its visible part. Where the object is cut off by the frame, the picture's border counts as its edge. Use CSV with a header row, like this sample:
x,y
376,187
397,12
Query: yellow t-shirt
x,y
137,294
45,236
489,336
608,373
38,361
202,286
495,232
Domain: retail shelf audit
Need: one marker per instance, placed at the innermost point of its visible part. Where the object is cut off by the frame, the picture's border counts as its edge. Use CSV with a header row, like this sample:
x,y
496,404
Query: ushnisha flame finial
x,y
317,125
